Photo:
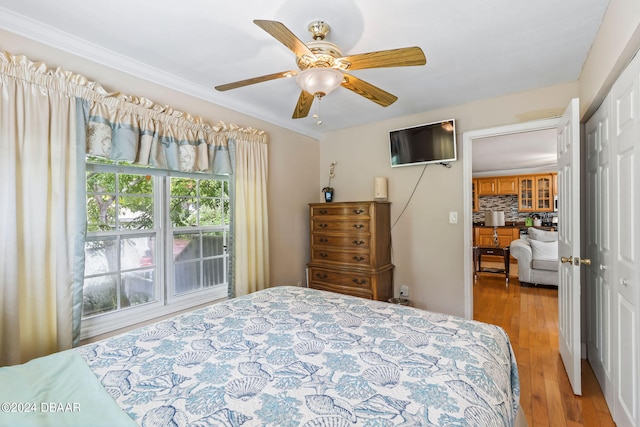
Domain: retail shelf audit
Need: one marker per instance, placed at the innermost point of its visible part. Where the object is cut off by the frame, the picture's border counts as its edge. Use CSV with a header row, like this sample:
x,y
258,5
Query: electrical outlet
x,y
404,291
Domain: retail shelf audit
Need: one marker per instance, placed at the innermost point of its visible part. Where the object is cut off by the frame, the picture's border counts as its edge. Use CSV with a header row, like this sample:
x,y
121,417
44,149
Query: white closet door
x,y
599,250
626,174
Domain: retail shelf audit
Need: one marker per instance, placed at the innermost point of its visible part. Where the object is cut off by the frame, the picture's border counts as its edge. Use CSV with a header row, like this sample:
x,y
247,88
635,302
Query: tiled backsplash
x,y
509,205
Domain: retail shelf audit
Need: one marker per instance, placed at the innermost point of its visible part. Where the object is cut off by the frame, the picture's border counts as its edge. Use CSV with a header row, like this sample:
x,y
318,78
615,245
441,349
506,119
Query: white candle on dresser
x,y
380,188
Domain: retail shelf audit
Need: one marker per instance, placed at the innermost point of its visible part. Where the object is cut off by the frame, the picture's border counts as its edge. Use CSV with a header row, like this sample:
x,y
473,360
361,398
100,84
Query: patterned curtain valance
x,y
134,129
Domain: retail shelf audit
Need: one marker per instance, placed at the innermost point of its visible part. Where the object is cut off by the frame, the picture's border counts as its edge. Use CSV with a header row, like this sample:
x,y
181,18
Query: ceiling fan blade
x,y
303,106
255,80
403,57
285,36
368,90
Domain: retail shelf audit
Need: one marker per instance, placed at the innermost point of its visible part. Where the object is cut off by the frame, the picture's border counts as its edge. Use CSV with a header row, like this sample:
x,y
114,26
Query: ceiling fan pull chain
x,y
317,114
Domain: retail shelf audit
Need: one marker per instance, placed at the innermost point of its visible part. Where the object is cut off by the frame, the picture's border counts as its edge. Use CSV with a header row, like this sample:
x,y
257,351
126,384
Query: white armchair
x,y
537,257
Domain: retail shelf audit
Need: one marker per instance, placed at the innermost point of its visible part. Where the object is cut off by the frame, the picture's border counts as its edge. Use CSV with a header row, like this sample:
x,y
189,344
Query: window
x,y
155,244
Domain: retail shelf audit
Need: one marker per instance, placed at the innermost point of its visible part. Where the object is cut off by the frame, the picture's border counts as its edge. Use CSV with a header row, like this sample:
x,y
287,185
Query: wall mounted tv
x,y
427,143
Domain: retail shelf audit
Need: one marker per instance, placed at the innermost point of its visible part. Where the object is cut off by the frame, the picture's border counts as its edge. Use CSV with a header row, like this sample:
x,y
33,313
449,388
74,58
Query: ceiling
x,y
474,49
516,153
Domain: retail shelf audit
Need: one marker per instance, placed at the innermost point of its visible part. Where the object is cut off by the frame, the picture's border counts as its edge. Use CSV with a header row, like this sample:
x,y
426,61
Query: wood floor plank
x,y
529,315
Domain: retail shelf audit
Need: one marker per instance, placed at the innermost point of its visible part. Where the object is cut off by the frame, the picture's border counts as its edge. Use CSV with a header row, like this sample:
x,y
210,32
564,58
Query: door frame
x,y
467,176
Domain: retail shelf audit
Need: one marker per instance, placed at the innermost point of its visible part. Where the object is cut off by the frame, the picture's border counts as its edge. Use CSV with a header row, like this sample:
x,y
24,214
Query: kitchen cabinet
x,y
495,186
351,249
475,202
484,235
487,187
535,193
507,185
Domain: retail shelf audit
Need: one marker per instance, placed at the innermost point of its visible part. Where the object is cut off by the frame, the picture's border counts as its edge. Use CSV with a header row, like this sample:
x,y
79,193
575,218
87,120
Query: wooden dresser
x,y
351,249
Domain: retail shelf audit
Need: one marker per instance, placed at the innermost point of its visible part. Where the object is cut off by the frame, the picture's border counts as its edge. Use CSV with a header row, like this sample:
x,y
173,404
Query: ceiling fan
x,y
322,66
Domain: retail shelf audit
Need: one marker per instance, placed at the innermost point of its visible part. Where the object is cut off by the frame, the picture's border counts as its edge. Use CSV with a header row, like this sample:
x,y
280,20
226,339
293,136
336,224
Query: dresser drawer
x,y
344,242
347,226
352,209
362,258
343,278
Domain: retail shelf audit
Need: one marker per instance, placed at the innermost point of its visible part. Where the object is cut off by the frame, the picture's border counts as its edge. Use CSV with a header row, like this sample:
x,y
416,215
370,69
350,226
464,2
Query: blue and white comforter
x,y
291,356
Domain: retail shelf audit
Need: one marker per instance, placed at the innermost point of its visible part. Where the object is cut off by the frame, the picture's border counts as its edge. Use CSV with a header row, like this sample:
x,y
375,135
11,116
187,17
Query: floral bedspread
x,y
290,356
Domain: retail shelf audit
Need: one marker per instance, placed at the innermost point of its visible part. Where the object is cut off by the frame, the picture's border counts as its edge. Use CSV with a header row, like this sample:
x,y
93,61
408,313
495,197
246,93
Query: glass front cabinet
x,y
535,193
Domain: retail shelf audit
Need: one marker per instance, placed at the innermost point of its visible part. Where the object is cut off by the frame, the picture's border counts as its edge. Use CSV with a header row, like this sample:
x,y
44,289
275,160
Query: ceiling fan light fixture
x,y
319,81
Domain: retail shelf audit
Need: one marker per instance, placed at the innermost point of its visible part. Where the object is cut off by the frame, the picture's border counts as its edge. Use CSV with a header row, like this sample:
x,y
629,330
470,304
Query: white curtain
x,y
251,216
48,118
38,158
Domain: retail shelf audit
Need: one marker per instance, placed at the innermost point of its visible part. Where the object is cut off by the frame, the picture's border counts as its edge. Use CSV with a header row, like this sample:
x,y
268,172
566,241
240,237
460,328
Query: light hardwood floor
x,y
530,318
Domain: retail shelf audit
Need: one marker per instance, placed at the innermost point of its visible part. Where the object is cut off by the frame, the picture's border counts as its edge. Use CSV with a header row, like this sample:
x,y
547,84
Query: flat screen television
x,y
422,144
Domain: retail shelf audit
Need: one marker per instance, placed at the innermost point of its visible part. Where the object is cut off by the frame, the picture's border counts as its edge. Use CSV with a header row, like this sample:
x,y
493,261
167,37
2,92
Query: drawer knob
x,y
359,258
323,255
358,226
321,276
323,240
323,211
359,281
358,242
358,211
323,225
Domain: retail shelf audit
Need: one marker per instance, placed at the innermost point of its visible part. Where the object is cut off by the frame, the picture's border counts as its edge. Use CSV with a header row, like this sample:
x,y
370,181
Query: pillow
x,y
544,250
542,235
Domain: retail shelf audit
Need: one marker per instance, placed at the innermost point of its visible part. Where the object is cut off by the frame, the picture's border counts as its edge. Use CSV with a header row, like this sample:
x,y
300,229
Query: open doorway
x,y
498,136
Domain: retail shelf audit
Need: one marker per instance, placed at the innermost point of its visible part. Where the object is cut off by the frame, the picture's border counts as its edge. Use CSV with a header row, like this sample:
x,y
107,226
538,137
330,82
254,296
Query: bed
x,y
286,356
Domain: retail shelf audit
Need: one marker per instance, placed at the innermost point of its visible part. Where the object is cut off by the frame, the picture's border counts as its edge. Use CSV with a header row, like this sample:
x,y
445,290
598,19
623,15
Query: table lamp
x,y
494,219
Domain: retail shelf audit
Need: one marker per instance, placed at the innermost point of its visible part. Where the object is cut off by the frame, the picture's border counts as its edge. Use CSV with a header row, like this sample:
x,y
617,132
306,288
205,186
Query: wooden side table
x,y
478,251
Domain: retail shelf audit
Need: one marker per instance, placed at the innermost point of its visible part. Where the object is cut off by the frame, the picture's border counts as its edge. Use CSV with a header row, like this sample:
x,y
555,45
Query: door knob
x,y
585,261
566,259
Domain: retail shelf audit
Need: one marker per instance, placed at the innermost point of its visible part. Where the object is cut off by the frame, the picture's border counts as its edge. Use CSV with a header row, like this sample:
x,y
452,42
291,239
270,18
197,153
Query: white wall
x,y
617,41
427,250
293,158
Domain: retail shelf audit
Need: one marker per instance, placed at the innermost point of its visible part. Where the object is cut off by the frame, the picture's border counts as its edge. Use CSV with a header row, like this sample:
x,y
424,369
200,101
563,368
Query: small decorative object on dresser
x,y
351,249
328,190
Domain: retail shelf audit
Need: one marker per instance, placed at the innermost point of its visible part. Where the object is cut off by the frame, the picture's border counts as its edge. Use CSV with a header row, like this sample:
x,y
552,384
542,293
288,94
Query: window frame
x,y
166,303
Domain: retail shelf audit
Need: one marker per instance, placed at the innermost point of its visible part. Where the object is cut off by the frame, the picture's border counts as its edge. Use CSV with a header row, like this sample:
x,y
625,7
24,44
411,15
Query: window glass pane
x,y
99,295
101,212
213,272
101,182
186,247
213,244
227,212
137,287
184,212
136,252
210,188
210,212
186,277
184,187
135,184
101,255
136,213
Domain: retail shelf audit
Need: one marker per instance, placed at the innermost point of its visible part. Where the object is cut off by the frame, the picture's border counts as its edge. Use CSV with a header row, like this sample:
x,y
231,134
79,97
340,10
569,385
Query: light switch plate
x,y
453,217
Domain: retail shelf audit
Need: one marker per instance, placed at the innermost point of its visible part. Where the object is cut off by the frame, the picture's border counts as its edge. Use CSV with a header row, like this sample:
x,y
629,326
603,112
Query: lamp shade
x,y
319,81
494,218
